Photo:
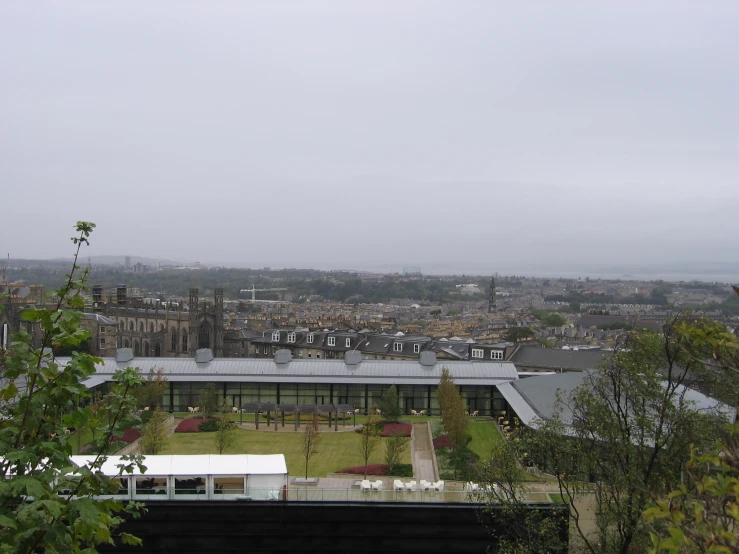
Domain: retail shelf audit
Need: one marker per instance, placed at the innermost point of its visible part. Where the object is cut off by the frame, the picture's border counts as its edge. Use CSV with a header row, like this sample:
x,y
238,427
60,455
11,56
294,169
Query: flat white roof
x,y
199,464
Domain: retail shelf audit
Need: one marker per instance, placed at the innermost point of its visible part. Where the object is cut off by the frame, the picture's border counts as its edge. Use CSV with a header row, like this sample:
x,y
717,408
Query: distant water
x,y
707,276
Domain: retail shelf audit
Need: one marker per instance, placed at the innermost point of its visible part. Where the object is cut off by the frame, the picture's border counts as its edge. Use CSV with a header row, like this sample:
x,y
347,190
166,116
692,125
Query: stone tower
x,y
492,305
192,345
218,324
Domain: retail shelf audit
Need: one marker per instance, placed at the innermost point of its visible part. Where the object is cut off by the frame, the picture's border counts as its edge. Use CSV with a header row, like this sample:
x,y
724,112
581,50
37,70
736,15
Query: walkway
x,y
422,453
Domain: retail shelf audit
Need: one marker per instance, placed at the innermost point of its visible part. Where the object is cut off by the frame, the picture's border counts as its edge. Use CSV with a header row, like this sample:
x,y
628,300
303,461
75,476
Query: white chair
x,y
475,413
235,410
190,409
376,485
472,487
414,412
398,485
425,485
438,486
410,486
365,485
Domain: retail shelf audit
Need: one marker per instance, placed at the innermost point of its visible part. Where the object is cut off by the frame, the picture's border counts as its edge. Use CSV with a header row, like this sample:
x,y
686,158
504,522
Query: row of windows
x,y
291,337
484,399
479,353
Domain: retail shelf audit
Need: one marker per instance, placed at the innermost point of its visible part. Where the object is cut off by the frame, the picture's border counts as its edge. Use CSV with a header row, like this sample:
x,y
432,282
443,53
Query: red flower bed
x,y
373,469
441,442
129,435
391,429
191,424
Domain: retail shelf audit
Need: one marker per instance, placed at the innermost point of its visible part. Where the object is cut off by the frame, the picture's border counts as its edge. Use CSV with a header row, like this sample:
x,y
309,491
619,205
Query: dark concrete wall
x,y
355,528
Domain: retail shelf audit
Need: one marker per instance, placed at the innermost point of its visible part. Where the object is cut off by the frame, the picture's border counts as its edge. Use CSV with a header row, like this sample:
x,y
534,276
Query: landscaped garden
x,y
337,450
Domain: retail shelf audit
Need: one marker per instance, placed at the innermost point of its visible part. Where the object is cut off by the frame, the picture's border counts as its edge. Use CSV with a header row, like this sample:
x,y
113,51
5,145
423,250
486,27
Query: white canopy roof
x,y
206,464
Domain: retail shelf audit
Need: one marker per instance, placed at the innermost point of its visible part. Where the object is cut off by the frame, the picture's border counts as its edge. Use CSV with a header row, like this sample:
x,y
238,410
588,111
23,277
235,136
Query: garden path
x,y
422,453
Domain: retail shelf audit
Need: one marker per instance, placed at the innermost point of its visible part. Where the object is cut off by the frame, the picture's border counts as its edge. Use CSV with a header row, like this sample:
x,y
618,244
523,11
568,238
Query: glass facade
x,y
484,399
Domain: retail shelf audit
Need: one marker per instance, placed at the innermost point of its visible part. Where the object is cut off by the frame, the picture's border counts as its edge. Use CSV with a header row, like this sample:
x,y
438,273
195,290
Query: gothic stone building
x,y
163,331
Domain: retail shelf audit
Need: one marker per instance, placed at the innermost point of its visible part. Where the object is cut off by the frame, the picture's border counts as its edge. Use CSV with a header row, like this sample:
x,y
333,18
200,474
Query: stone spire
x,y
492,305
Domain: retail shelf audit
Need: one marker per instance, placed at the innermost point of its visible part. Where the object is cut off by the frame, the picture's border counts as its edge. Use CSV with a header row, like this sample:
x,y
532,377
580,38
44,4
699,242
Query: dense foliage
x,y
46,502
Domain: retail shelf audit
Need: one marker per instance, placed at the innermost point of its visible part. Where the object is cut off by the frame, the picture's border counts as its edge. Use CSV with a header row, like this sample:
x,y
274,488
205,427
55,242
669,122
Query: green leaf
x,y
5,521
127,538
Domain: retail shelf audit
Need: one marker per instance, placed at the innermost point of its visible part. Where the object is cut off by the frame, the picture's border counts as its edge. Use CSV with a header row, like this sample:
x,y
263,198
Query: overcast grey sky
x,y
351,134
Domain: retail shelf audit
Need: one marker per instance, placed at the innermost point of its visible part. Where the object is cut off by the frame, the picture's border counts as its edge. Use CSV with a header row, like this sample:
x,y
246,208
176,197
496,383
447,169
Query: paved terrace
x,y
346,489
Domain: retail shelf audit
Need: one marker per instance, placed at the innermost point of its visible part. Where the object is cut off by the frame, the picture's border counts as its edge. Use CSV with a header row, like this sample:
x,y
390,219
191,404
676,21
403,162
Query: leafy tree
x,y
453,414
209,400
155,435
395,445
40,401
507,514
702,513
369,439
623,436
518,334
225,437
390,405
311,441
550,319
149,393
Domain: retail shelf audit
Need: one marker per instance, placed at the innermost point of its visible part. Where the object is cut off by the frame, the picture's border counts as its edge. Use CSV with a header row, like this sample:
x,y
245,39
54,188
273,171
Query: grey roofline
x,y
520,405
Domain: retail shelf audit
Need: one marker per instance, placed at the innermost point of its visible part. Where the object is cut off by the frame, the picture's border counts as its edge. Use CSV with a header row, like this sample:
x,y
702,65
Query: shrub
x,y
400,470
441,442
401,429
437,428
372,469
378,425
208,426
189,425
146,416
129,435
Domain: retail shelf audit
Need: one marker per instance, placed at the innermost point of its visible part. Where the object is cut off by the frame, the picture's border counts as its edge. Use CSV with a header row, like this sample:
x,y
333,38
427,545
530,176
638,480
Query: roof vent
x,y
353,357
123,355
283,357
428,358
203,356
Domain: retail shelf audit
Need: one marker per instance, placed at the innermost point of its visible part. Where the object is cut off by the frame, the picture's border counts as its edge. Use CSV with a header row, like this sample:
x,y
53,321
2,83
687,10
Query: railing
x,y
310,494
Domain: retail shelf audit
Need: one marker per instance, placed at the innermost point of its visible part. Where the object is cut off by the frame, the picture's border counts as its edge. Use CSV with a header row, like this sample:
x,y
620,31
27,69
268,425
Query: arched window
x,y
157,350
161,326
123,326
126,344
151,328
136,348
130,325
146,349
174,340
184,340
204,335
141,326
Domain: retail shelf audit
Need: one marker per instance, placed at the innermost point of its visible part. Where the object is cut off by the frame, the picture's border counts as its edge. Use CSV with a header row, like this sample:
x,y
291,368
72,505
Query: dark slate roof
x,y
595,320
554,358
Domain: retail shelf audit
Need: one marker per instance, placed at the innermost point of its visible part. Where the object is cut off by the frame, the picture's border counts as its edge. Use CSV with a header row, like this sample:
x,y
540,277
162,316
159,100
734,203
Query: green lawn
x,y
337,450
484,436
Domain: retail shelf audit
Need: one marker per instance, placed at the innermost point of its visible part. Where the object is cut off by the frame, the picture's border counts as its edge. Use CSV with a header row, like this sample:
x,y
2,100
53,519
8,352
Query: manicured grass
x,y
337,450
557,498
484,436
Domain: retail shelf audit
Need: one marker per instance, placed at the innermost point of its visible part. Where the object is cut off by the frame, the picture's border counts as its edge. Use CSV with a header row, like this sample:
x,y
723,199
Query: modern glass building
x,y
353,381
